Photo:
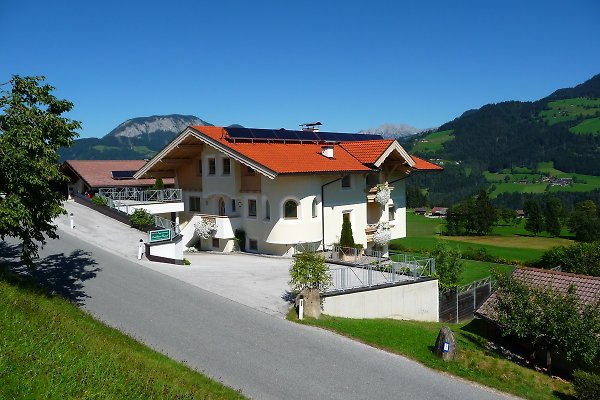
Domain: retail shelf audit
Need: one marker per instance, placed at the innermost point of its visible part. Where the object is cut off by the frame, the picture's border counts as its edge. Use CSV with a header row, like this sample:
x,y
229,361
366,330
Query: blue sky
x,y
270,64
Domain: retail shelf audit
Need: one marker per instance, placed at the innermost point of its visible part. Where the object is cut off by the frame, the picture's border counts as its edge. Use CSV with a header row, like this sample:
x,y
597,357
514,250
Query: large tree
x,y
535,218
32,129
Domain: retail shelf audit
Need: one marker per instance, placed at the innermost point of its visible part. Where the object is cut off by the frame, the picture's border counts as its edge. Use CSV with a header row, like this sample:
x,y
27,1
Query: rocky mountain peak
x,y
156,124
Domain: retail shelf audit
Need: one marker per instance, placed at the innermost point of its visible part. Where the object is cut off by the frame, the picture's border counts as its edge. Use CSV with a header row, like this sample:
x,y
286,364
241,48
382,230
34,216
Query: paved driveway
x,y
255,281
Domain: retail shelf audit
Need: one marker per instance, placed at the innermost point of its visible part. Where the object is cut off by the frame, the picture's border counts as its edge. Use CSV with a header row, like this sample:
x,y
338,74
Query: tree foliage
x,y
474,216
534,222
141,218
553,212
346,236
309,271
580,258
32,129
448,264
549,320
584,222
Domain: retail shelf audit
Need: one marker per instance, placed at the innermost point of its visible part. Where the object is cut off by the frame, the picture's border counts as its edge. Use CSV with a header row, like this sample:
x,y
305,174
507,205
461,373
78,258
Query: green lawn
x,y
50,349
433,142
569,110
475,362
589,126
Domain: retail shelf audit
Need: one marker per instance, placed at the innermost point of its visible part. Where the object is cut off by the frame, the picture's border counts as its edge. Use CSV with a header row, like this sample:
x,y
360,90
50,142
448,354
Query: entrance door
x,y
221,207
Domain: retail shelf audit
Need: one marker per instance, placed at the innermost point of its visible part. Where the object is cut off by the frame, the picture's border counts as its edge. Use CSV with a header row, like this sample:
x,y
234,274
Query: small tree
x,y
141,219
346,237
32,129
310,276
549,320
535,218
584,222
448,265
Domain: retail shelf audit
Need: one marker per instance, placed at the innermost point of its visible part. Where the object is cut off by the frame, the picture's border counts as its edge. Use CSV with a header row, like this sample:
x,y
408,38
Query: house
x,y
420,210
439,212
587,288
520,213
87,176
281,188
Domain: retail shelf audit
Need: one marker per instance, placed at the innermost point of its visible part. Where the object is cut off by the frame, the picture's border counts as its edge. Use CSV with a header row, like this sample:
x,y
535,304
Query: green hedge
x,y
587,385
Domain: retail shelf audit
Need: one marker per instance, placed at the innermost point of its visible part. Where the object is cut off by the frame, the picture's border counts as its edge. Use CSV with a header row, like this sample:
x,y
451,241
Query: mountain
x,y
136,138
395,131
561,130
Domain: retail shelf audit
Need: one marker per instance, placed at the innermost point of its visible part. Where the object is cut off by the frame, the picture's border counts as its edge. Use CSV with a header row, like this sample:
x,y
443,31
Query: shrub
x,y
587,385
346,237
141,218
101,201
159,184
448,264
186,262
580,258
309,271
240,238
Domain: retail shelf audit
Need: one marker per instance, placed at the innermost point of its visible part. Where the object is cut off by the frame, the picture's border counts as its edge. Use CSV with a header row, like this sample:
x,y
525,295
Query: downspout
x,y
323,210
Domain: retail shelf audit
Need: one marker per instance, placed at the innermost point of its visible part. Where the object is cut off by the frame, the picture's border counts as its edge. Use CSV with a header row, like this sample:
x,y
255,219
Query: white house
x,y
284,187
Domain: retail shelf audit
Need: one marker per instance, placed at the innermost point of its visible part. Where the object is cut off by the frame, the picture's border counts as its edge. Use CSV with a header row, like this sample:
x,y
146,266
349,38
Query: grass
x,y
582,183
477,270
475,362
433,142
51,349
587,127
569,110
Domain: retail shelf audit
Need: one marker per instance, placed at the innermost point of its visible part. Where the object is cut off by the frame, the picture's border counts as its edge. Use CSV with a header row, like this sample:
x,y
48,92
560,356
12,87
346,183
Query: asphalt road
x,y
263,356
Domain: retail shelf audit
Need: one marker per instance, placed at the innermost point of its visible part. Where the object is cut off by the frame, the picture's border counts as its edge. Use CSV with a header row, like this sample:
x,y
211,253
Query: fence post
x,y
456,293
474,298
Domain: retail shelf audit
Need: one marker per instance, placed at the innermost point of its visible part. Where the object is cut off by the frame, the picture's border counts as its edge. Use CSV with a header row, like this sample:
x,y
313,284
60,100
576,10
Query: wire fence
x,y
458,304
141,195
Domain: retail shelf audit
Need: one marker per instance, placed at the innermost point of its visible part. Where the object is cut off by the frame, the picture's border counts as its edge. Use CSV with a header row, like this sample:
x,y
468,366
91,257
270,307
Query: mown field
x,y
50,349
433,142
570,110
512,243
507,181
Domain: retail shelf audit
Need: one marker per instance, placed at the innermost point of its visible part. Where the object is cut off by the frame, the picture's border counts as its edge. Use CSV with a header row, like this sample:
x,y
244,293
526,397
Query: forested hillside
x,y
562,130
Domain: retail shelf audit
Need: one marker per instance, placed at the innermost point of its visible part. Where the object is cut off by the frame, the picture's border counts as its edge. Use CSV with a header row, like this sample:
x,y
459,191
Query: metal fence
x,y
142,195
459,304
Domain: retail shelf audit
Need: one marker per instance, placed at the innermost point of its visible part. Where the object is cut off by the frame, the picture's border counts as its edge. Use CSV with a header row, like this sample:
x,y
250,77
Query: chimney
x,y
311,126
327,151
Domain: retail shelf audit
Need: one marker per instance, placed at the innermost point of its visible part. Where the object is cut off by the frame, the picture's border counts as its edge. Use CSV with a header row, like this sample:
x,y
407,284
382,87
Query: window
x,y
226,166
253,244
391,213
267,211
346,182
212,166
200,167
290,209
252,207
233,206
195,203
314,208
215,243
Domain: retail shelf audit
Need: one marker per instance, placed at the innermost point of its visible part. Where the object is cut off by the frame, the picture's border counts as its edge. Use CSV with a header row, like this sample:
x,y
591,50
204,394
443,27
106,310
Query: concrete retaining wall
x,y
412,300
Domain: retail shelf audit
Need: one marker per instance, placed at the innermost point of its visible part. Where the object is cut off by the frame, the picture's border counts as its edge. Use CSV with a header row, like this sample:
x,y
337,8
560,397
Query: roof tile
x,y
98,173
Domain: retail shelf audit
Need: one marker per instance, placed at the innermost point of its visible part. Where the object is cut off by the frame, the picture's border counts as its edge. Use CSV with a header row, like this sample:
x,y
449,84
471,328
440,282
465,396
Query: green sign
x,y
159,235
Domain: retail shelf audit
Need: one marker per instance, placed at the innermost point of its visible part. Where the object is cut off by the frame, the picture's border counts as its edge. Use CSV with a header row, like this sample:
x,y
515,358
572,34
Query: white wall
x,y
415,301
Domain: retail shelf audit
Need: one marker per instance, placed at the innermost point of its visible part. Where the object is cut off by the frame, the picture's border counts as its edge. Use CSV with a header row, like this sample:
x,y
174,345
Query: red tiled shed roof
x,y
367,151
288,158
98,173
587,287
424,165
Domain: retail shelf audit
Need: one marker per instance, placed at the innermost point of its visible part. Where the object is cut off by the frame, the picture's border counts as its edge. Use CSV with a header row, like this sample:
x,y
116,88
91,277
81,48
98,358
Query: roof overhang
x,y
188,132
394,146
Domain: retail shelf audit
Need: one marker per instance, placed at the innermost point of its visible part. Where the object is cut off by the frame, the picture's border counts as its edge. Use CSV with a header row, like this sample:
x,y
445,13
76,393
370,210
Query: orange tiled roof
x,y
587,287
367,151
424,165
288,158
98,173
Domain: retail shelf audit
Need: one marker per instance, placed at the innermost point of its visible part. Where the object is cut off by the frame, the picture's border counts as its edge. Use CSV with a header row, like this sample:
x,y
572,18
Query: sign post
x,y
159,235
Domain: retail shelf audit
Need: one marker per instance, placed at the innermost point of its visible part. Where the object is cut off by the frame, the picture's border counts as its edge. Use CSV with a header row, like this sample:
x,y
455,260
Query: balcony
x,y
372,191
225,225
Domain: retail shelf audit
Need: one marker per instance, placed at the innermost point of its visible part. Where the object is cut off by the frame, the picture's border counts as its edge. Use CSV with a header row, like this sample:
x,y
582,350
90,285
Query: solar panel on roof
x,y
291,135
122,174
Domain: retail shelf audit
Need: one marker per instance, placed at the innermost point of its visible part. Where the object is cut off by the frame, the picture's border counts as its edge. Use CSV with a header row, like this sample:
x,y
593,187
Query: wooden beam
x,y
190,146
175,161
159,174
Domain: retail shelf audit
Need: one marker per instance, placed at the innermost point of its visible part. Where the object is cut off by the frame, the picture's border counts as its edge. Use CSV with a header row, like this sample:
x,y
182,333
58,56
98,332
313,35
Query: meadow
x,y
433,142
